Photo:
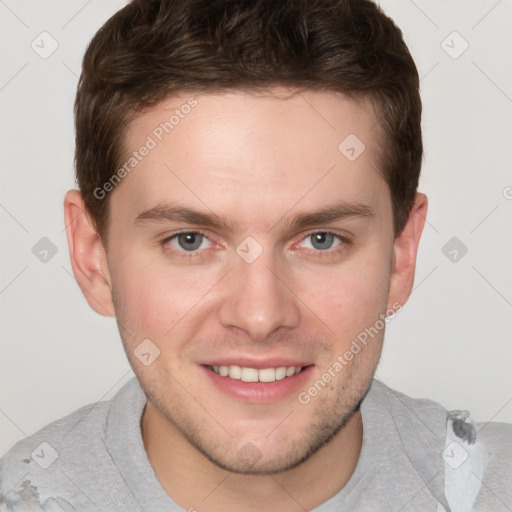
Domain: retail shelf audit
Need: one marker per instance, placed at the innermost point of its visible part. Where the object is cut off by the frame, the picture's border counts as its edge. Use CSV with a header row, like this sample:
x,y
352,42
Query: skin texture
x,y
256,160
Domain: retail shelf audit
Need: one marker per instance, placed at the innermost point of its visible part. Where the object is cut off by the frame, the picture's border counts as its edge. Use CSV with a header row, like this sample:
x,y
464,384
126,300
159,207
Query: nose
x,y
258,299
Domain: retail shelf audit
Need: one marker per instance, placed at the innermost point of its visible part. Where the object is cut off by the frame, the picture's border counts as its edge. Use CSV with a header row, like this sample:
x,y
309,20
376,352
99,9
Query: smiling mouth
x,y
246,374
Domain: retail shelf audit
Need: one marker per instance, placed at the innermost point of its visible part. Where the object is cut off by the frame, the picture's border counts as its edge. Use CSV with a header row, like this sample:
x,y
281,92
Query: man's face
x,y
263,287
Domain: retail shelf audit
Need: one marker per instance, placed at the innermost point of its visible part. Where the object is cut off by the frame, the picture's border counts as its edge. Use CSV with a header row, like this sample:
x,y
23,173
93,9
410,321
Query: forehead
x,y
247,153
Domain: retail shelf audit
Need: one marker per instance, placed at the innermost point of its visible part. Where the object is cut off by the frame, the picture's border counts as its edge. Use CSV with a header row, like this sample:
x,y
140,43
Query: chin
x,y
263,456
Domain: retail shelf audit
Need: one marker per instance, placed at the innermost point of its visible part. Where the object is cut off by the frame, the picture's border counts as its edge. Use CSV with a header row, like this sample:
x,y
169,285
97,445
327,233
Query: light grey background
x,y
451,343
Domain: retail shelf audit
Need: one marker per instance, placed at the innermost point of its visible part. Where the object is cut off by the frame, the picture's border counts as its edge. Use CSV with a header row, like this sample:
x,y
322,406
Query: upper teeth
x,y
255,375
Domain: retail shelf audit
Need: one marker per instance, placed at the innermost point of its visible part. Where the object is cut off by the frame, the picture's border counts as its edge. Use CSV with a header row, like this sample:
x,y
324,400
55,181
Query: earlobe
x,y
87,254
405,249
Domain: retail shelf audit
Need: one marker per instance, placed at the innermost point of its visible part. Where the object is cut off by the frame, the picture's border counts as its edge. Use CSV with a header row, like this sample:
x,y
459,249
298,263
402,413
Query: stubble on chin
x,y
330,416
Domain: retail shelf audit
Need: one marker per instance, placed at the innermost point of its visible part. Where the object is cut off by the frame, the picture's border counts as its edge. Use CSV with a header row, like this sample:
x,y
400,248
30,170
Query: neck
x,y
301,488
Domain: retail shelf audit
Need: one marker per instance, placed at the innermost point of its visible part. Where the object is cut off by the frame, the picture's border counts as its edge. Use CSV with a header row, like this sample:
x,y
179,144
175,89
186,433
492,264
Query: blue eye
x,y
188,241
323,240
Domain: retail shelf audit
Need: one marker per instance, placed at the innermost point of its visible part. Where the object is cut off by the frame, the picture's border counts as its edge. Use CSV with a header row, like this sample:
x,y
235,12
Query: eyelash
x,y
344,242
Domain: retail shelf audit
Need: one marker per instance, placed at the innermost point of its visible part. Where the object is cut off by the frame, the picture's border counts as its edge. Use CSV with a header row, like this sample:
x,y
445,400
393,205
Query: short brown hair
x,y
152,49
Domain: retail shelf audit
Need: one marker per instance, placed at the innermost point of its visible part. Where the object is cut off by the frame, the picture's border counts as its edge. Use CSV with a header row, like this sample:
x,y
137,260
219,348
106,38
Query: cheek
x,y
156,299
349,297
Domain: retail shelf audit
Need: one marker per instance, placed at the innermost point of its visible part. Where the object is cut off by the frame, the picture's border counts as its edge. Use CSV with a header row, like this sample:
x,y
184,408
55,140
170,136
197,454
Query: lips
x,y
248,374
258,382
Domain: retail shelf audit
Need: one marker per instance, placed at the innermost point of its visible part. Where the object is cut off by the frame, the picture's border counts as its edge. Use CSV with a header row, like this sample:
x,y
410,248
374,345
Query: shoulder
x,y
496,438
422,413
433,414
475,458
496,435
71,451
40,451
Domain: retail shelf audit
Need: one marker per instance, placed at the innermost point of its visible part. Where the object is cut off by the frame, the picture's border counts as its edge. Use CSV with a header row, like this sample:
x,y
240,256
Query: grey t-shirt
x,y
415,457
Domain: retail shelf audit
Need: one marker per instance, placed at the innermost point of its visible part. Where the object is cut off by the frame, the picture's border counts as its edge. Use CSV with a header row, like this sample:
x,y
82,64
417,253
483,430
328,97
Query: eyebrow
x,y
174,213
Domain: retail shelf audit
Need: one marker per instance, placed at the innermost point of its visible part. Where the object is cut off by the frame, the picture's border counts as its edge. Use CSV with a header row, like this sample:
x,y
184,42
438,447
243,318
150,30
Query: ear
x,y
405,249
88,256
